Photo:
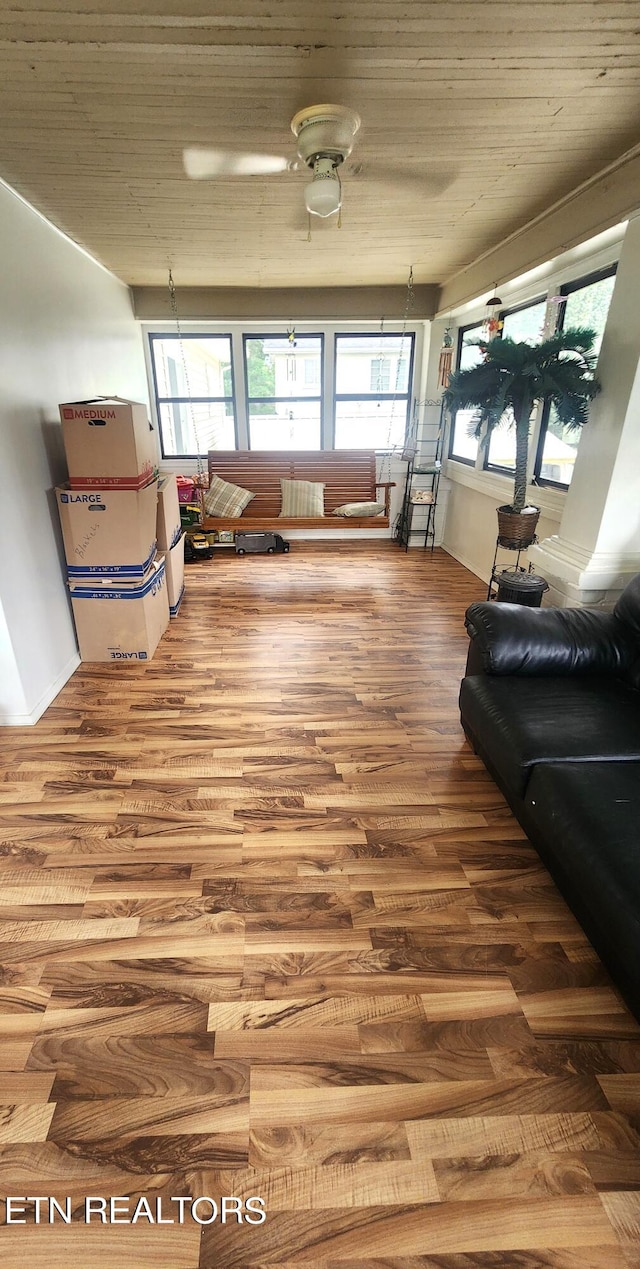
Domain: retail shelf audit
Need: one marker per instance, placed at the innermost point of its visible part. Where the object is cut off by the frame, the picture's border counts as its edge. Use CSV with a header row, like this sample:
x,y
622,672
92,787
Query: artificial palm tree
x,y
513,377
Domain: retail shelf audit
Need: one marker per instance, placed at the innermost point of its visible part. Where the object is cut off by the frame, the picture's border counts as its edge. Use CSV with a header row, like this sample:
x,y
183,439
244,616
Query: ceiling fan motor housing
x,y
325,132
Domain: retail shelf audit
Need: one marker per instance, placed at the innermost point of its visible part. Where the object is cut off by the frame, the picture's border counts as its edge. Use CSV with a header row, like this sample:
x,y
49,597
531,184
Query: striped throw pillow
x,y
224,499
302,498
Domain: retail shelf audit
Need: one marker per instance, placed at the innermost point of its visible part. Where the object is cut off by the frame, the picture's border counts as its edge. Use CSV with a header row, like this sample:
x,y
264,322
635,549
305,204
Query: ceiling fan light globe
x,y
323,196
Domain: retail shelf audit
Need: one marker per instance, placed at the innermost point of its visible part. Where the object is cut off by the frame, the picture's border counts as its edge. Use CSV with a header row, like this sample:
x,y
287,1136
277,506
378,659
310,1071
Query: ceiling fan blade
x,y
434,178
202,164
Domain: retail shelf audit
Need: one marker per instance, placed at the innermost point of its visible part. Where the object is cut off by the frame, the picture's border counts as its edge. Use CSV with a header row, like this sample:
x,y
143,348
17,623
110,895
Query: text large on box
x,y
108,532
121,621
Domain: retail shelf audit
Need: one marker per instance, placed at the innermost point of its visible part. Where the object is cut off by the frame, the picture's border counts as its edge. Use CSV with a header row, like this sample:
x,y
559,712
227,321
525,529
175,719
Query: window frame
x,y
566,288
459,458
249,400
487,465
190,400
372,396
235,330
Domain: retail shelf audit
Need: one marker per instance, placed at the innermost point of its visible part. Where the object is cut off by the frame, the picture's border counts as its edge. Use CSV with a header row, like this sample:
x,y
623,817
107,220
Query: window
x,y
586,304
284,401
524,324
193,384
380,374
371,400
462,446
256,390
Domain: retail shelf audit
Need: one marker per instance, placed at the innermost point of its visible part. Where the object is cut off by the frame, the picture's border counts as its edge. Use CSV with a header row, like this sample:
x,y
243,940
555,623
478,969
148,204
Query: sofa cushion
x,y
518,722
586,816
515,639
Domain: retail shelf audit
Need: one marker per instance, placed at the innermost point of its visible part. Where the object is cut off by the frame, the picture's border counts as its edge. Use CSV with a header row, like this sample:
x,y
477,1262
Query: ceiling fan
x,y
325,136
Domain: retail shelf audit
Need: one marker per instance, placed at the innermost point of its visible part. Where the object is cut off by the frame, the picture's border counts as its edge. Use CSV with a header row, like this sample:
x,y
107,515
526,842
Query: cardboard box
x,y
168,528
108,441
121,621
174,564
108,532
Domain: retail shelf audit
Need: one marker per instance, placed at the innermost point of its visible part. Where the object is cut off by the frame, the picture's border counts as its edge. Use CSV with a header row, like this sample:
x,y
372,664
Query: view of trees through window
x,y
283,398
284,407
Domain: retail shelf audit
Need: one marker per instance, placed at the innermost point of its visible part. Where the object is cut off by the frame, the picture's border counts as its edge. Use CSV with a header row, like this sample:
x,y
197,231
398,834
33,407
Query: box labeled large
x,y
168,528
108,532
108,441
174,564
121,621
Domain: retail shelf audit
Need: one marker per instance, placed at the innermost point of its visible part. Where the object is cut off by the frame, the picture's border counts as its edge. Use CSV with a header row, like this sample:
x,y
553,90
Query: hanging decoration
x,y
553,315
446,358
492,324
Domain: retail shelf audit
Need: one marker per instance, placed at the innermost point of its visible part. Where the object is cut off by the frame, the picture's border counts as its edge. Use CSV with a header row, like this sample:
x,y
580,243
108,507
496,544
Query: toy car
x,y
260,543
197,547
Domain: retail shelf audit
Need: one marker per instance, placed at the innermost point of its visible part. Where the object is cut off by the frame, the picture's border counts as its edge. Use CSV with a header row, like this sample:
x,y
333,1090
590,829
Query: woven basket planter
x,y
517,529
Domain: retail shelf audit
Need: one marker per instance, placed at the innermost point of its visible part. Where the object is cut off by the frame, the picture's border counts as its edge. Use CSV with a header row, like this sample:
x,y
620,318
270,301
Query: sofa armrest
x,y
515,639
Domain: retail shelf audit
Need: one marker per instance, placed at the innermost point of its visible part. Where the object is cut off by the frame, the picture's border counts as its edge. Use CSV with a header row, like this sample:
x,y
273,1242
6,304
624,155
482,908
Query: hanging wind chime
x,y
553,315
493,323
445,361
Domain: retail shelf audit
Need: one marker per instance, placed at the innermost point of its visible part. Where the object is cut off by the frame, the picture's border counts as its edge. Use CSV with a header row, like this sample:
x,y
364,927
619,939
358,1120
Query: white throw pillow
x,y
359,509
302,498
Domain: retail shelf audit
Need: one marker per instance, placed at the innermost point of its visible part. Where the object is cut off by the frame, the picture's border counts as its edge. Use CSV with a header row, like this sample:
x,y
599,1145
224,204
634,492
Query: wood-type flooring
x,y
268,928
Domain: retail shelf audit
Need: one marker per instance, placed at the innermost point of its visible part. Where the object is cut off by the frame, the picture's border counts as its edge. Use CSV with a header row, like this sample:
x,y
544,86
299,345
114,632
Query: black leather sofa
x,y
551,703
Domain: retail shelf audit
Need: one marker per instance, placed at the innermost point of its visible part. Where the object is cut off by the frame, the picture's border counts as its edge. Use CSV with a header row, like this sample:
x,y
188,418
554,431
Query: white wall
x,y
66,332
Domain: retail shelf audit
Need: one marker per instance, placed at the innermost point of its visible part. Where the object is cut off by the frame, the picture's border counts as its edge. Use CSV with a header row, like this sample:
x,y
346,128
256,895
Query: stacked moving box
x,y
108,514
171,539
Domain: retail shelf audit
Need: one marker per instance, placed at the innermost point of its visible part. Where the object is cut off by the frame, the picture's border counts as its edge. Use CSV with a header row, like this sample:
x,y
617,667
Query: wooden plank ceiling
x,y
475,118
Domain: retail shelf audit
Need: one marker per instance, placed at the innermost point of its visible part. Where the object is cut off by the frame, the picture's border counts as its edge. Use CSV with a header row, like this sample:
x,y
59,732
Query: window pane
x,y
284,425
194,427
463,445
470,354
502,448
363,360
526,324
559,451
380,374
193,367
277,368
370,424
589,307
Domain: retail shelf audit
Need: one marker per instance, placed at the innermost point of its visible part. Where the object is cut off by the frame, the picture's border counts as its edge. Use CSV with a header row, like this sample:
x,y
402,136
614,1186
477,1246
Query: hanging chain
x,y
409,303
173,303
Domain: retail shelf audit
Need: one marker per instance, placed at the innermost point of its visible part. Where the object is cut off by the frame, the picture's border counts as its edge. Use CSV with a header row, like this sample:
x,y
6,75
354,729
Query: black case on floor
x,y
260,543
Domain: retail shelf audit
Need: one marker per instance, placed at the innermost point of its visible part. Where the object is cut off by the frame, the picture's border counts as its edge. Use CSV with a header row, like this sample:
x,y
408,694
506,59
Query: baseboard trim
x,y
462,559
49,695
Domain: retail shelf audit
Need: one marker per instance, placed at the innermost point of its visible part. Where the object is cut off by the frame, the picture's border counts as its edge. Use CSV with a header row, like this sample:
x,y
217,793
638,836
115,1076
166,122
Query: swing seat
x,y
349,476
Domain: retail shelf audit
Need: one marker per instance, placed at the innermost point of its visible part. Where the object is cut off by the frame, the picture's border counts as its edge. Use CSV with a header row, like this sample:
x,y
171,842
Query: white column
x,y
597,549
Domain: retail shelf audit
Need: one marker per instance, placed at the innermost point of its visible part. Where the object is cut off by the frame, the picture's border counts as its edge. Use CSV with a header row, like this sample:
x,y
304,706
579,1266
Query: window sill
x,y
550,501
